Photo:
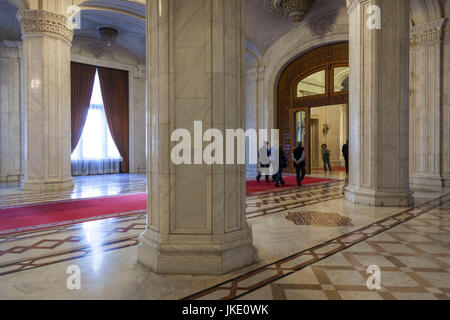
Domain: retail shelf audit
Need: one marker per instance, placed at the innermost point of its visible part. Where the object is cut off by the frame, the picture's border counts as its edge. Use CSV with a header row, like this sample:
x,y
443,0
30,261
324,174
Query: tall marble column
x,y
379,104
446,106
196,213
426,125
46,58
11,112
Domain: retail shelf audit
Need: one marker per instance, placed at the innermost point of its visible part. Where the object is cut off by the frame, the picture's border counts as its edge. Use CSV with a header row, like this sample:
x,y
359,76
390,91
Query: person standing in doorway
x,y
299,163
345,154
326,158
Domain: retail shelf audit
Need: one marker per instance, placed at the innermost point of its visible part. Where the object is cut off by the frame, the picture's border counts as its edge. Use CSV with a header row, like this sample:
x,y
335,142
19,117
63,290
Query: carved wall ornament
x,y
295,10
96,49
428,32
38,21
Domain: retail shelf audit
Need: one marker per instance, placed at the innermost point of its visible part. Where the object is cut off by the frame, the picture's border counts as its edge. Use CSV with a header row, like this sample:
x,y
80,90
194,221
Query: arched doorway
x,y
318,78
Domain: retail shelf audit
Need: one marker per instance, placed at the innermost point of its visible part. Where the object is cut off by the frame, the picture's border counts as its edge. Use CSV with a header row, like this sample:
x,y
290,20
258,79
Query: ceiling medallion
x,y
108,34
295,10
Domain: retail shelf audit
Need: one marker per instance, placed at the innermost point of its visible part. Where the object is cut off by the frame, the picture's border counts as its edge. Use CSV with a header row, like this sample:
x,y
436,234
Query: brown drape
x,y
82,83
114,86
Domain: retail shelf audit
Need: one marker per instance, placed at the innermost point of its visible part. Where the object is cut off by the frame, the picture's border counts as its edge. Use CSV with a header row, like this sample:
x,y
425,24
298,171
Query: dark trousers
x,y
326,161
279,177
346,164
301,172
263,168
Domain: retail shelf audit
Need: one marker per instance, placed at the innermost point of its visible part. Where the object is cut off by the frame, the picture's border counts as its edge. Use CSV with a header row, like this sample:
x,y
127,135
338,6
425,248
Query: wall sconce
x,y
326,128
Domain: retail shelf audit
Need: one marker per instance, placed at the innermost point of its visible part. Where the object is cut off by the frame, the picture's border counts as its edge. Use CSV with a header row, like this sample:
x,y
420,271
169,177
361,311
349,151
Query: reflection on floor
x,y
311,244
85,187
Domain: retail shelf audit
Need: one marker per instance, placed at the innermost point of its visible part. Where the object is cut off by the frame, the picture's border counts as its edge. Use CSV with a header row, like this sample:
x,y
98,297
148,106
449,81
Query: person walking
x,y
299,163
264,155
326,157
345,154
282,163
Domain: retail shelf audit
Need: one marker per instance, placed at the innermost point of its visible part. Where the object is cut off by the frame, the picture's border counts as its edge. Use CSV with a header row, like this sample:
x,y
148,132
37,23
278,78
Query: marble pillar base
x,y
191,256
426,180
14,177
379,198
446,181
45,185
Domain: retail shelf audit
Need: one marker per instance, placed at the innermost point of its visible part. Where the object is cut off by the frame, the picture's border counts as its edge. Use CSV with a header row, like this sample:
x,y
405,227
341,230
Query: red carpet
x,y
255,187
336,169
42,216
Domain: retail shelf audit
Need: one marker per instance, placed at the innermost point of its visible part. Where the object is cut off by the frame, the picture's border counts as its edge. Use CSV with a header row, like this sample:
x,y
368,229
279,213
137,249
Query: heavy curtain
x,y
96,152
114,87
82,83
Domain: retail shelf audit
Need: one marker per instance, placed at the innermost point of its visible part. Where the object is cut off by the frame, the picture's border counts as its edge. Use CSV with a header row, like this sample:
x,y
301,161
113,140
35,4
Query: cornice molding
x,y
430,32
35,22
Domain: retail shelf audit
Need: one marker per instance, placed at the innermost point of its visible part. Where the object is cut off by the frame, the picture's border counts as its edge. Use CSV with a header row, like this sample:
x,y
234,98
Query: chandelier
x,y
295,10
108,34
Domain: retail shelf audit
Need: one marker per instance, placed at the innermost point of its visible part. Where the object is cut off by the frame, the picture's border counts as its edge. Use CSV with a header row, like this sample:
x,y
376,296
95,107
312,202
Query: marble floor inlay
x,y
256,279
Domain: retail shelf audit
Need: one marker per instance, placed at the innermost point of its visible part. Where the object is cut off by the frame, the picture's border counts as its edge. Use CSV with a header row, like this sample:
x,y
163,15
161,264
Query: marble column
x,y
446,106
379,105
426,104
11,112
46,52
254,107
196,213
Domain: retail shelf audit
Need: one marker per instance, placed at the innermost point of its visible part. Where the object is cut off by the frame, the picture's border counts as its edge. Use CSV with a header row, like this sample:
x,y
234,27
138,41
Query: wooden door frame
x,y
307,144
325,57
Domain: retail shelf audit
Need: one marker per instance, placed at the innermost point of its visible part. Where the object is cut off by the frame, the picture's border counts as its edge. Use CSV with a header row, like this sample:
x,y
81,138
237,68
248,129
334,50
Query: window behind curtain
x,y
96,152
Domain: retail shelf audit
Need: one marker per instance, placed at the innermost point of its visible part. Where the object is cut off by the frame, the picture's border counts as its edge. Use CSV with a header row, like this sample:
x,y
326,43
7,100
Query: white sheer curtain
x,y
96,152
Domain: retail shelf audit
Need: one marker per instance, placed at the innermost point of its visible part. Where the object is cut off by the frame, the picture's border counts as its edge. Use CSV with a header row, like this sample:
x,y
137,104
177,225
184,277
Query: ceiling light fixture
x,y
108,34
295,10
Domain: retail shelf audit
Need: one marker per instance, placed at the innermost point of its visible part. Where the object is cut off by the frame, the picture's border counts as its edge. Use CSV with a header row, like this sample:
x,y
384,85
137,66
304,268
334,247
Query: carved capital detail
x,y
351,4
428,32
447,30
34,22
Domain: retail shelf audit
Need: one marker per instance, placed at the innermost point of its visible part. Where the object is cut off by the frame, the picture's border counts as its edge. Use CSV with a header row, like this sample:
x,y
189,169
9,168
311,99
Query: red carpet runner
x,y
42,216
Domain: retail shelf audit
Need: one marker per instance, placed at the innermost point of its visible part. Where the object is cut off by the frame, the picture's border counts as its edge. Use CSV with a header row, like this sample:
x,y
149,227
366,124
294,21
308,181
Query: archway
x,y
315,79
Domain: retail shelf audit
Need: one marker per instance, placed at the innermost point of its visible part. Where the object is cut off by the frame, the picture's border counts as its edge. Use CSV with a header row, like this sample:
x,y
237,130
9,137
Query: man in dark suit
x,y
299,163
282,163
345,154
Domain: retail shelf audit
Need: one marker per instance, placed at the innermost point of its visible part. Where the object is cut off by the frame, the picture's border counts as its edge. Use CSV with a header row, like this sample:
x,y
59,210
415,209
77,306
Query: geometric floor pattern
x,y
29,250
413,259
412,250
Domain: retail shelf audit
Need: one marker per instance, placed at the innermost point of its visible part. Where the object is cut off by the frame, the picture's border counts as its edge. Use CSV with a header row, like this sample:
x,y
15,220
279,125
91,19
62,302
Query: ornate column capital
x,y
34,22
446,32
351,4
13,48
429,32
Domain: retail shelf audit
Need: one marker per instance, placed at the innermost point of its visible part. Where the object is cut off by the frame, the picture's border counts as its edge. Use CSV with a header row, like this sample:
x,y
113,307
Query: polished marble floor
x,y
311,244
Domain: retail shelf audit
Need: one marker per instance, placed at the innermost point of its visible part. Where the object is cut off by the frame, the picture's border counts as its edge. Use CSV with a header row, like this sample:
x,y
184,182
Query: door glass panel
x,y
312,85
300,127
341,75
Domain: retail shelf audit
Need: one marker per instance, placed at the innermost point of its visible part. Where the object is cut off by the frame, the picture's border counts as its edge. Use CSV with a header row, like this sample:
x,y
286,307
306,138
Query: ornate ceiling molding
x,y
35,22
295,10
272,10
428,32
